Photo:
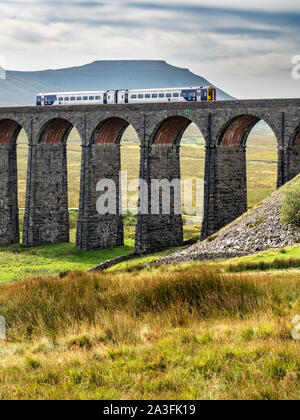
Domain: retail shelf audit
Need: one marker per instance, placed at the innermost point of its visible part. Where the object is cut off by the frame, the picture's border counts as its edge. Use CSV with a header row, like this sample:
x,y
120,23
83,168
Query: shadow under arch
x,y
109,131
55,131
170,131
236,130
9,131
9,211
294,155
296,137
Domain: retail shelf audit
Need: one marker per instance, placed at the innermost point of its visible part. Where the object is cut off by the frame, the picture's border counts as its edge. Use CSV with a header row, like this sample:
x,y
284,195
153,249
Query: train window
x,y
67,99
168,95
98,98
91,98
175,95
140,96
154,95
133,97
85,98
161,95
73,98
60,99
78,98
147,95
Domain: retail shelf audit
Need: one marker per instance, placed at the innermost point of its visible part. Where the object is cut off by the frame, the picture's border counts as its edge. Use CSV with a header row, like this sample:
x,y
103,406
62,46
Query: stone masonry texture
x,y
225,126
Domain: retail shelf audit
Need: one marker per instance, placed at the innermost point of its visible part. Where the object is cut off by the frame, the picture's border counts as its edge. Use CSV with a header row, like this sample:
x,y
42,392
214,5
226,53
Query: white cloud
x,y
243,55
274,5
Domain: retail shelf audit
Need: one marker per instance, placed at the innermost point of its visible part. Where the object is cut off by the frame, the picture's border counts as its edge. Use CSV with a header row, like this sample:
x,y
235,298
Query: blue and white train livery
x,y
186,94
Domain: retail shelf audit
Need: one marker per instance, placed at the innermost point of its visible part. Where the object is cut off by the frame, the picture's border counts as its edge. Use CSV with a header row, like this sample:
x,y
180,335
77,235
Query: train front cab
x,y
45,100
39,100
211,94
208,94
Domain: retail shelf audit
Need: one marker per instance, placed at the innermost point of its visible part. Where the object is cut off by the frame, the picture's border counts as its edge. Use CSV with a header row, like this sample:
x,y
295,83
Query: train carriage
x,y
106,97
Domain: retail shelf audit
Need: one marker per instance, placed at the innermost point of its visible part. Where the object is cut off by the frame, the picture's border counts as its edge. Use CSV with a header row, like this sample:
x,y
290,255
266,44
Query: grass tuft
x,y
276,264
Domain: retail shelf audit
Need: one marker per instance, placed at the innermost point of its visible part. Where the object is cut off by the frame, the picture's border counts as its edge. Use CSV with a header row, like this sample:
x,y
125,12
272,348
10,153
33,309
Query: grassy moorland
x,y
274,259
187,332
18,261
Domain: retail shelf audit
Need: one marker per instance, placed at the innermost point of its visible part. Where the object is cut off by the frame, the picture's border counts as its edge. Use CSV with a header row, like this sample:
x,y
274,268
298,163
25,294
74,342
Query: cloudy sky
x,y
245,48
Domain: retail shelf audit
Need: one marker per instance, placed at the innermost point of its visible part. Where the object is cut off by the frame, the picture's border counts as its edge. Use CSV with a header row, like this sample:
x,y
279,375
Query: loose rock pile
x,y
257,230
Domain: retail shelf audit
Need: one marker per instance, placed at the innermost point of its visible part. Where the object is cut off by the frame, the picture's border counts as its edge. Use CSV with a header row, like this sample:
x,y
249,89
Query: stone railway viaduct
x,y
225,126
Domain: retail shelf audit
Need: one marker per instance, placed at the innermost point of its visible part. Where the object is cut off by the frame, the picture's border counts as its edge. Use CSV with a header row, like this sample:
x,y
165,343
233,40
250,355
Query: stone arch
x,y
230,174
296,137
169,131
235,130
55,131
9,212
293,152
158,229
101,161
9,131
109,131
46,217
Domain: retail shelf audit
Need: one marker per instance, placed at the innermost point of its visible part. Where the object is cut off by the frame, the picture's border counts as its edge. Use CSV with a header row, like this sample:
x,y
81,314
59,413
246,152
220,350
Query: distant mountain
x,y
20,88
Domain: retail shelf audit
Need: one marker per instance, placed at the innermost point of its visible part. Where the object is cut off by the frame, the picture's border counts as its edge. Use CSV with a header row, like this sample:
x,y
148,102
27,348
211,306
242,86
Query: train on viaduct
x,y
225,126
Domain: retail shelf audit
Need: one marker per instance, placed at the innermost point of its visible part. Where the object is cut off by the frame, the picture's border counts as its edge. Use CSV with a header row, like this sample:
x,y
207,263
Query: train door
x,y
105,98
112,97
122,97
203,94
209,94
214,94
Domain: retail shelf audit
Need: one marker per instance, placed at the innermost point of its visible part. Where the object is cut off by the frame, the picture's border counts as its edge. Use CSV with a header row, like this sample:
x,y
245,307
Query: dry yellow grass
x,y
187,333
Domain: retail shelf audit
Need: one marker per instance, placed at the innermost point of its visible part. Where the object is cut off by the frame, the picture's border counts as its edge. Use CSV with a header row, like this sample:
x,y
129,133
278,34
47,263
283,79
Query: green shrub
x,y
290,208
129,220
